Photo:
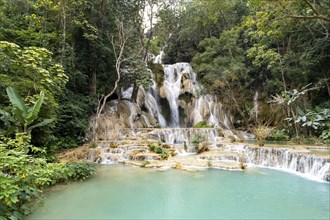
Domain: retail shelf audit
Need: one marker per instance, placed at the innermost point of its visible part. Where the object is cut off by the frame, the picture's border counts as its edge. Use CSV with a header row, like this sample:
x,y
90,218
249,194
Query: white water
x,y
159,58
311,166
185,135
180,79
172,87
153,91
301,162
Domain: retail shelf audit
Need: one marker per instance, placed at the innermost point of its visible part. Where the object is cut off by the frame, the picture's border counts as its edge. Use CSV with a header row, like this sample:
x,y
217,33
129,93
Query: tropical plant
x,y
23,118
315,119
278,135
23,177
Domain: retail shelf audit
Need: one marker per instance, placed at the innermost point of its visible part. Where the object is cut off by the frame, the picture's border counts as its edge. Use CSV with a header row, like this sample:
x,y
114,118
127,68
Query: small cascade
x,y
207,107
289,160
119,154
159,58
185,135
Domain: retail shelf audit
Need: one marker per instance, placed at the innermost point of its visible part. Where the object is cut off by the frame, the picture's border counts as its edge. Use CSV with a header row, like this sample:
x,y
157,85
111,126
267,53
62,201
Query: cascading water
x,y
154,93
185,135
172,87
182,91
158,59
188,105
289,160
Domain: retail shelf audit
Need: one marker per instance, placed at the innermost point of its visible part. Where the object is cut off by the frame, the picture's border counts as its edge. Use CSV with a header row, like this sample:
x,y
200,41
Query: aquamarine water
x,y
123,192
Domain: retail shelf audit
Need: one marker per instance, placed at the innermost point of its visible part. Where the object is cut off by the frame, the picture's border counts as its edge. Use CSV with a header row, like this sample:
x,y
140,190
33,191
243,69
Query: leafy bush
x,y
23,177
158,149
278,135
325,135
153,146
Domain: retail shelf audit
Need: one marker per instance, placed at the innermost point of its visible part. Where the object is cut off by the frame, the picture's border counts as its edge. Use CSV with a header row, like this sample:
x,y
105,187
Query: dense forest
x,y
62,60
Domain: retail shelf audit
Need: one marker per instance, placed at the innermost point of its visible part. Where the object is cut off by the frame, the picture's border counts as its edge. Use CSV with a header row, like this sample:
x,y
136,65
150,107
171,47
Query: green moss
x,y
202,124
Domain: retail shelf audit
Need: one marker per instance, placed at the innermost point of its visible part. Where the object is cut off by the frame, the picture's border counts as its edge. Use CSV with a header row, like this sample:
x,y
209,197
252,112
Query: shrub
x,y
262,132
197,139
158,149
23,177
278,135
153,146
202,124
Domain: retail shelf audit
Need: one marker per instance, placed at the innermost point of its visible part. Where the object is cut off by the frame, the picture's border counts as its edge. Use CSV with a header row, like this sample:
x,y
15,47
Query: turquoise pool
x,y
123,192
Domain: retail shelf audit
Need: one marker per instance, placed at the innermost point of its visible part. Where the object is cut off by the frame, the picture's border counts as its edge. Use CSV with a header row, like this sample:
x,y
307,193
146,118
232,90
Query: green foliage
x,y
93,145
202,124
136,71
158,72
72,122
316,119
309,140
23,177
30,70
198,139
199,20
23,118
325,135
278,135
156,45
158,149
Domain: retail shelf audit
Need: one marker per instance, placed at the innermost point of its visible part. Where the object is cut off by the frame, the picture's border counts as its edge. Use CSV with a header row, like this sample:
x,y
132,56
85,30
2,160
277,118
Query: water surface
x,y
123,192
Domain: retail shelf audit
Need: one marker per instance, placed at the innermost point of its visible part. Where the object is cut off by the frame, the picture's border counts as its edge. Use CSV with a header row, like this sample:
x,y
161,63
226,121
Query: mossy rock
x,y
202,124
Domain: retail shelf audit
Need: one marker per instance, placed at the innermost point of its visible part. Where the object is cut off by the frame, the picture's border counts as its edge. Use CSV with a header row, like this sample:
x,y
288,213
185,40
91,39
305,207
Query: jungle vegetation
x,y
61,61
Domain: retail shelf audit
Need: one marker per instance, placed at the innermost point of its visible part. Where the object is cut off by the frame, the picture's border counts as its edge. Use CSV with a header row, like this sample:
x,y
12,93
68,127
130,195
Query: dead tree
x,y
118,45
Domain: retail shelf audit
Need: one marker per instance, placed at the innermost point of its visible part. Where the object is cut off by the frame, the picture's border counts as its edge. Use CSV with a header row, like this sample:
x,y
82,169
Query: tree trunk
x,y
135,93
118,49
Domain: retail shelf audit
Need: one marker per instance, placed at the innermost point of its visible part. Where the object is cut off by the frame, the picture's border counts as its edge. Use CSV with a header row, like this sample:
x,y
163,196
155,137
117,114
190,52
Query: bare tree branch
x,y
317,14
118,47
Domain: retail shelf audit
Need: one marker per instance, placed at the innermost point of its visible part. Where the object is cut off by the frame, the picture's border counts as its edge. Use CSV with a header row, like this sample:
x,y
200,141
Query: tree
x,y
118,45
31,70
221,68
299,9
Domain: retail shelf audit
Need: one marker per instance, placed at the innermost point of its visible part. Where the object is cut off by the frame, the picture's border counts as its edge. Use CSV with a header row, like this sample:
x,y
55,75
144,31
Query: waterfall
x,y
172,87
154,93
180,80
289,160
185,135
255,110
